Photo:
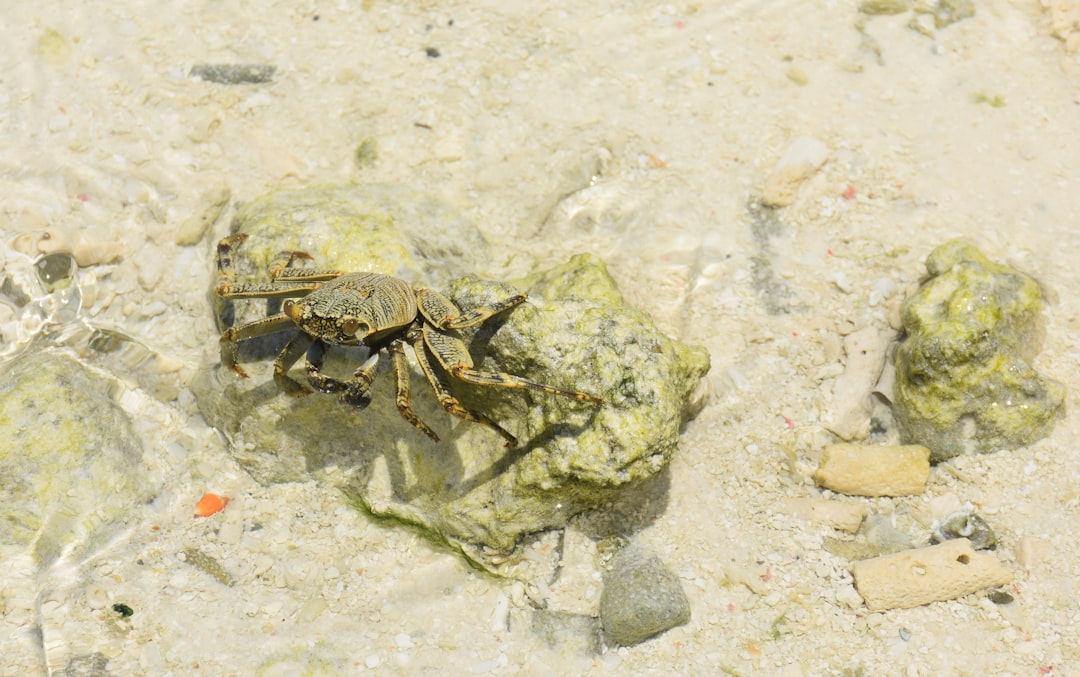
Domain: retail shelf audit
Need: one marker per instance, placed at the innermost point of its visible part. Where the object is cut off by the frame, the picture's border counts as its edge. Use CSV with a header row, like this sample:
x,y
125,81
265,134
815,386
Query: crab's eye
x,y
290,309
352,325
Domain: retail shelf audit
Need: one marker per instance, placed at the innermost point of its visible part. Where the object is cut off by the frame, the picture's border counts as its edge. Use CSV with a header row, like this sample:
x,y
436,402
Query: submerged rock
x,y
964,382
574,332
641,598
568,633
70,465
376,228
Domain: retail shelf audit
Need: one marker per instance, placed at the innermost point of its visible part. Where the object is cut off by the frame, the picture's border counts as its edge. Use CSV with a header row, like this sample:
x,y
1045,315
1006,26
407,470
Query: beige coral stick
x,y
863,470
915,577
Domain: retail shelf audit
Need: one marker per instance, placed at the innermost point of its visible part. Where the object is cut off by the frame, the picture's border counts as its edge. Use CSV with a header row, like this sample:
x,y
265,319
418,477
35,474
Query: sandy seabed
x,y
643,133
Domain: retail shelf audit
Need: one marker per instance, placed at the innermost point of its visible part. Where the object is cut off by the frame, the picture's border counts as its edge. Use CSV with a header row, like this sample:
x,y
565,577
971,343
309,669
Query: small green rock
x,y
320,658
86,665
53,47
641,598
366,153
946,12
964,383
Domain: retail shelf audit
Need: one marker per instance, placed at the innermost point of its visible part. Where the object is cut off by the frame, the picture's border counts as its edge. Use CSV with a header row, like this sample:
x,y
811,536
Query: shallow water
x,y
642,133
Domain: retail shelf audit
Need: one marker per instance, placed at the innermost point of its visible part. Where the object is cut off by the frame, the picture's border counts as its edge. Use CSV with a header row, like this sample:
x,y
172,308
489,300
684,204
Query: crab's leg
x,y
293,351
442,392
264,290
455,359
231,337
284,281
402,399
281,268
354,390
441,311
226,269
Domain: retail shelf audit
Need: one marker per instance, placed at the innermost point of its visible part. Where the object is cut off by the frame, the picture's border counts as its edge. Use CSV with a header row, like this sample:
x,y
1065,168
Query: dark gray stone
x,y
641,598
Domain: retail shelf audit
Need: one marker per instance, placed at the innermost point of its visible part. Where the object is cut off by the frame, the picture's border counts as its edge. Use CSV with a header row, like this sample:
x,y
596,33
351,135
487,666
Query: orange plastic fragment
x,y
210,504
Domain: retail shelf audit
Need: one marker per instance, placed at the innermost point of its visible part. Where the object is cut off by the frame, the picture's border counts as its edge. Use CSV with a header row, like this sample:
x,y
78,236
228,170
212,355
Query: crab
x,y
380,312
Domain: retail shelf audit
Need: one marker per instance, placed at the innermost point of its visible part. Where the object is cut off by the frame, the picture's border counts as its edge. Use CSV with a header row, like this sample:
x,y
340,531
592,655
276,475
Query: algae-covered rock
x,y
375,228
574,332
964,382
70,465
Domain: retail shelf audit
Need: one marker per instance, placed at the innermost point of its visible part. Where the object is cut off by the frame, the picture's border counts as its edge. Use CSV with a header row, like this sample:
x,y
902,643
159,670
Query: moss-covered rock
x,y
377,228
574,332
71,464
964,382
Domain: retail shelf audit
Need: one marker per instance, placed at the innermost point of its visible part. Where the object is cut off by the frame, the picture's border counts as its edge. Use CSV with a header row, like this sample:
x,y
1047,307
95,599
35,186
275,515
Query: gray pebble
x,y
234,73
641,598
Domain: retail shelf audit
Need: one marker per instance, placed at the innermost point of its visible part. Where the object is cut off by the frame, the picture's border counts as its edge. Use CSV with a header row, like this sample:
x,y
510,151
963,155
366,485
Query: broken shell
x,y
43,241
965,524
210,504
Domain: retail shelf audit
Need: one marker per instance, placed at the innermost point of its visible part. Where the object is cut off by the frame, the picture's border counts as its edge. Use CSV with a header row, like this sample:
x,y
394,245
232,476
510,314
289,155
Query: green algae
x,y
964,379
53,47
315,659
